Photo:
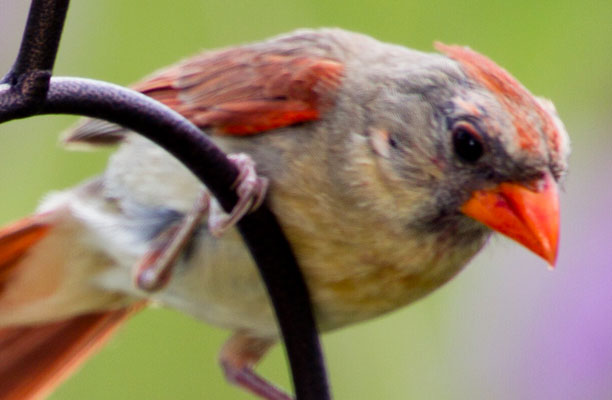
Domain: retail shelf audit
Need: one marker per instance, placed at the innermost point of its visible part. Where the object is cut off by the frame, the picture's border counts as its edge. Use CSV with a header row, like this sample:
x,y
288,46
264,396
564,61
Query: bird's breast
x,y
356,271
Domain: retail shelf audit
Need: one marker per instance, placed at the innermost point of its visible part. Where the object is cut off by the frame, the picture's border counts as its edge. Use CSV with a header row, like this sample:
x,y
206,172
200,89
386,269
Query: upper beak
x,y
528,214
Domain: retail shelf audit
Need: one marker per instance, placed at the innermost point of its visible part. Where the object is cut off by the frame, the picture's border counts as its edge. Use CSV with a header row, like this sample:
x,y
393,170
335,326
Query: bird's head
x,y
493,152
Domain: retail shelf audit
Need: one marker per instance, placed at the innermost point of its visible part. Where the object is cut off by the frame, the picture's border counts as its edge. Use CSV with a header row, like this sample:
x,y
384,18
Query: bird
x,y
388,169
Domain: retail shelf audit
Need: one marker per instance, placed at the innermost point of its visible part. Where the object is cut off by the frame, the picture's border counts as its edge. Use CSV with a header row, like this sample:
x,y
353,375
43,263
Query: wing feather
x,y
237,91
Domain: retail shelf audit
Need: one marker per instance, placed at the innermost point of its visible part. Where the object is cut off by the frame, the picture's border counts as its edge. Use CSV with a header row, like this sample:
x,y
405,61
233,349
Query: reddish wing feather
x,y
238,91
243,91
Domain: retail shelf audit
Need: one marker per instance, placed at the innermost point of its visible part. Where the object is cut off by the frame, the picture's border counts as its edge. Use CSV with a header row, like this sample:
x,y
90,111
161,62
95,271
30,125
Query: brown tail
x,y
38,255
34,360
15,240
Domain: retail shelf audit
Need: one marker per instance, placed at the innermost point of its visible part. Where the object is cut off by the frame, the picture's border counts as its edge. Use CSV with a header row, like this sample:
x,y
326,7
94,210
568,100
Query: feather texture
x,y
238,91
35,359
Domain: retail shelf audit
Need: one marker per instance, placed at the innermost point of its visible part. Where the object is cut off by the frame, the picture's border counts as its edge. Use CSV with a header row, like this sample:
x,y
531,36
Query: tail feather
x,y
49,264
34,360
52,315
16,239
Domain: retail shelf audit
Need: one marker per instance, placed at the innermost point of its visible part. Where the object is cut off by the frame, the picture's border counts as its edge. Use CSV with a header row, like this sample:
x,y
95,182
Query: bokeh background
x,y
506,328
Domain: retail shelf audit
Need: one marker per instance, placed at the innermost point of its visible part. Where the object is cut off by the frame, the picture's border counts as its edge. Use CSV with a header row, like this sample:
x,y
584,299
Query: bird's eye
x,y
467,143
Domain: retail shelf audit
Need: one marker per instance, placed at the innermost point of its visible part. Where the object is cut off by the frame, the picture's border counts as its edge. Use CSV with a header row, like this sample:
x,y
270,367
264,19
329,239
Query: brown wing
x,y
238,91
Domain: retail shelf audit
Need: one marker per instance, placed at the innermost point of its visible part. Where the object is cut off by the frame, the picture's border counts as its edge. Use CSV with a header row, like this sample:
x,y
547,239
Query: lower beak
x,y
529,215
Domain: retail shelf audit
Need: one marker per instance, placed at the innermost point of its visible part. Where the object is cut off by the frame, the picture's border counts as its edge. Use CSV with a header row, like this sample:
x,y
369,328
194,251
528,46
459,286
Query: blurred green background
x,y
506,328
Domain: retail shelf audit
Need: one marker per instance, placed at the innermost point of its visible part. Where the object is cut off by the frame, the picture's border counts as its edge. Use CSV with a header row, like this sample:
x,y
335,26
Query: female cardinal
x,y
388,169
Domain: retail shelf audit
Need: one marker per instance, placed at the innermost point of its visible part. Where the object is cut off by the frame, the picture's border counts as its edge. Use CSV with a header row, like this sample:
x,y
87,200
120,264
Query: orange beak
x,y
528,215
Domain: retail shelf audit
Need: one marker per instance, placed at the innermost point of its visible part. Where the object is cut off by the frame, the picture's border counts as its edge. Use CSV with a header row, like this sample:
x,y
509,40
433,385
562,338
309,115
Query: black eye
x,y
467,143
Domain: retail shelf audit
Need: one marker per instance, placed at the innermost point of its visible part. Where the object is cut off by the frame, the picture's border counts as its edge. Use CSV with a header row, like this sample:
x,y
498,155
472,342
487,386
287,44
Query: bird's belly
x,y
356,297
352,281
220,283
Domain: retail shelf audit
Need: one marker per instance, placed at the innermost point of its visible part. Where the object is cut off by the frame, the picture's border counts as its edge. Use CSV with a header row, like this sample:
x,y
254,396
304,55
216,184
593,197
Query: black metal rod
x,y
260,229
40,39
29,76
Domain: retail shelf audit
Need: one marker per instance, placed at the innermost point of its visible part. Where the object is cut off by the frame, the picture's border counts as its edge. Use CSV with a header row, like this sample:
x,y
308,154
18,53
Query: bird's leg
x,y
238,357
155,269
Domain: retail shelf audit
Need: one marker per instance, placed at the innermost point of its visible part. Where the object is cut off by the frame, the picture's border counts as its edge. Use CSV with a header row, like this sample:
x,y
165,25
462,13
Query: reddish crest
x,y
514,96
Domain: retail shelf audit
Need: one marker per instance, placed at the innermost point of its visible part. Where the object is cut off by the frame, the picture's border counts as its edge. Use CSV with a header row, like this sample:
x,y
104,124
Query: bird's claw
x,y
251,190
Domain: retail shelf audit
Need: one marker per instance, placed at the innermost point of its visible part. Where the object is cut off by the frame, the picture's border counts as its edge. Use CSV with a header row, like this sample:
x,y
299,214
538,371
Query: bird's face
x,y
493,154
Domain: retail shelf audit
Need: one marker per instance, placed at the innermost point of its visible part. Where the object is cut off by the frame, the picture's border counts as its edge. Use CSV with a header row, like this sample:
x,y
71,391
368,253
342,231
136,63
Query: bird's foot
x,y
154,270
248,379
238,357
251,191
